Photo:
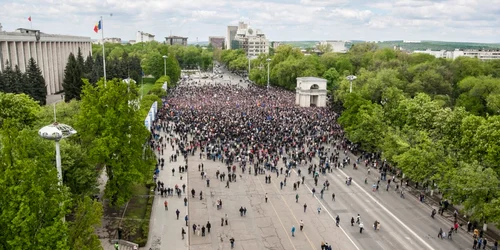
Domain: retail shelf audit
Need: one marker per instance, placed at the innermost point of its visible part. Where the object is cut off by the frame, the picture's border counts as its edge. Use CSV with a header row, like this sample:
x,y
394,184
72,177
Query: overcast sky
x,y
280,20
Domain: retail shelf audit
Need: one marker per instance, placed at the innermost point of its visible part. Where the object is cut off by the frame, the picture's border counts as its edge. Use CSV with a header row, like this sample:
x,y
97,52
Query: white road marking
x,y
391,214
331,216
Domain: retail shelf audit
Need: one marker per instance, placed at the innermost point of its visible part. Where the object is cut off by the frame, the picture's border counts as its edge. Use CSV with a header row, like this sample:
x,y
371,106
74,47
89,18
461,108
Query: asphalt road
x,y
405,223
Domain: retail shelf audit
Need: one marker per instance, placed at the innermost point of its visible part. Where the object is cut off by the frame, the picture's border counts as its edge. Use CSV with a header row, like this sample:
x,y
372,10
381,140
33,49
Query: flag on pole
x,y
29,18
97,27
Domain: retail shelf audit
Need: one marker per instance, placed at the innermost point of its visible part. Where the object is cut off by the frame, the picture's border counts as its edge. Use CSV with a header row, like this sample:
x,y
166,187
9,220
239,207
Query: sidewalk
x,y
164,228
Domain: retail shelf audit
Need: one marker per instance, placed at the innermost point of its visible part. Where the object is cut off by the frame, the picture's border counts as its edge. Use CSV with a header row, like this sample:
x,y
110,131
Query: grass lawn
x,y
137,206
144,89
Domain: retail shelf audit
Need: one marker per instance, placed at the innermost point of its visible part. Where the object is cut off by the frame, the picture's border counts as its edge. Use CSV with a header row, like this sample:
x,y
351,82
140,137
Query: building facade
x,y
112,40
337,46
217,41
454,54
310,92
252,41
231,42
143,37
176,40
49,51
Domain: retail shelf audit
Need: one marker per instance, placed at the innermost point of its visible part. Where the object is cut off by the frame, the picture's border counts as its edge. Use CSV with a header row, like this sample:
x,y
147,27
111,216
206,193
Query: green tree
x,y
8,79
153,64
72,82
36,82
79,59
324,48
112,130
332,77
33,204
82,233
97,70
464,180
87,69
18,109
19,84
423,159
362,122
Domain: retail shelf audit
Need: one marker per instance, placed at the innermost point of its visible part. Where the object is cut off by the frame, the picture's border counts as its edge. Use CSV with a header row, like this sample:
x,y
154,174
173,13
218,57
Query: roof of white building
x,y
311,79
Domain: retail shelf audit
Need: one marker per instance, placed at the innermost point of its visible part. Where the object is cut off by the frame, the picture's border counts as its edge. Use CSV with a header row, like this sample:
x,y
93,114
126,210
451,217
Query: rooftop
x,y
311,79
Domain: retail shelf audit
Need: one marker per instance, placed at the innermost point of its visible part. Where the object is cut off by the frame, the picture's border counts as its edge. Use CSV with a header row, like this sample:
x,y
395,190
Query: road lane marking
x,y
298,222
276,212
331,216
390,213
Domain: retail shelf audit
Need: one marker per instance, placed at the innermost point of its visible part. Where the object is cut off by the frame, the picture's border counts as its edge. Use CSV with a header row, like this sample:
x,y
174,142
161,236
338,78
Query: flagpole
x,y
103,52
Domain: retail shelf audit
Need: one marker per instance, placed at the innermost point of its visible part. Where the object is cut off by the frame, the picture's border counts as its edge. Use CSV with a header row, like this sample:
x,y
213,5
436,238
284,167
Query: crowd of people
x,y
255,130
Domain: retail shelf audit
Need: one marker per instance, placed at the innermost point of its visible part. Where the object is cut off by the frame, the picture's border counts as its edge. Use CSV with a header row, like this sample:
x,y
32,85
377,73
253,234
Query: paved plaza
x,y
405,223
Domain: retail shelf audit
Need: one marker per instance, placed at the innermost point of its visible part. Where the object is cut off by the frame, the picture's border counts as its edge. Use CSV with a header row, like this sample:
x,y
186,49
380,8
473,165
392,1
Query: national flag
x,y
29,18
97,27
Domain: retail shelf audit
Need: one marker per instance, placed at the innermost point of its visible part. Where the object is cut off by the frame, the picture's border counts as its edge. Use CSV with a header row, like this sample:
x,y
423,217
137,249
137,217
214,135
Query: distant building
x,y
454,54
217,41
143,37
176,40
231,42
132,42
49,51
253,42
337,46
411,41
112,40
275,45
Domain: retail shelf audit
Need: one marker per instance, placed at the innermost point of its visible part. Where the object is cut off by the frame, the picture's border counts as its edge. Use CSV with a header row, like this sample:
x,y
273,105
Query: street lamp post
x,y
268,61
351,78
165,65
56,132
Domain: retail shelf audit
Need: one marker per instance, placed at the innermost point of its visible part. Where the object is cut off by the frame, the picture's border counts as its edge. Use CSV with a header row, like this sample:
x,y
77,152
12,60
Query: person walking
x,y
186,219
225,219
293,231
297,198
209,226
301,224
166,205
266,197
305,207
319,210
337,220
333,197
232,242
183,232
361,227
203,231
352,221
177,212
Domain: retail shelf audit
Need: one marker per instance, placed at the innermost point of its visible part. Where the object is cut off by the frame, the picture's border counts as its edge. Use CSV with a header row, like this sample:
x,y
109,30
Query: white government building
x,y
336,46
310,92
49,51
454,54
